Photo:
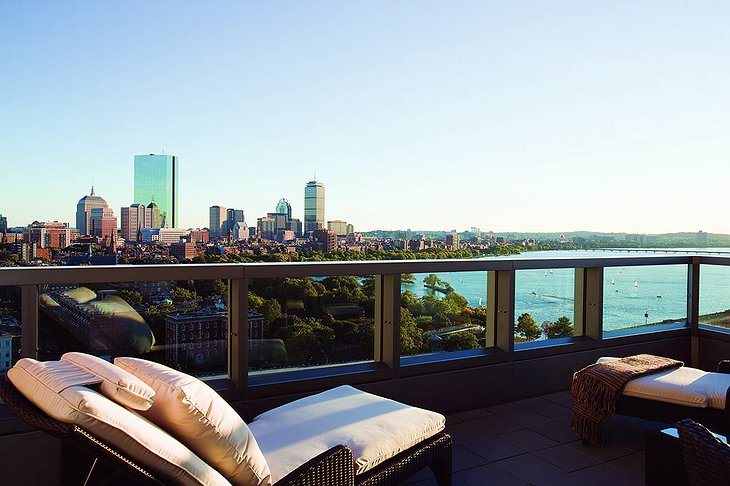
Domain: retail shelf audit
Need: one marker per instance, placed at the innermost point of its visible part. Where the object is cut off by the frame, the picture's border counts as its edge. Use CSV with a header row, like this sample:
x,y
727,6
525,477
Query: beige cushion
x,y
116,383
195,414
685,386
375,428
49,385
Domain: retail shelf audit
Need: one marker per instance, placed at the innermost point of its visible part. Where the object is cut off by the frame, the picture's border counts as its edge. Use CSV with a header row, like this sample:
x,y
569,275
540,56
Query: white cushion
x,y
375,428
195,414
685,386
46,384
116,383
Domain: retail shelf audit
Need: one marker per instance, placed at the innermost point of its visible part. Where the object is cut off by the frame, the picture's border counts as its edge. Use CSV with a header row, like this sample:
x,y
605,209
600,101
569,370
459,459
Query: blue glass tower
x,y
156,178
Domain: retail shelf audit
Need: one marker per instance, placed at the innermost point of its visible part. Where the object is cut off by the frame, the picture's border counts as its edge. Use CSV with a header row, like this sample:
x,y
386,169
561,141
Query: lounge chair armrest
x,y
332,467
723,366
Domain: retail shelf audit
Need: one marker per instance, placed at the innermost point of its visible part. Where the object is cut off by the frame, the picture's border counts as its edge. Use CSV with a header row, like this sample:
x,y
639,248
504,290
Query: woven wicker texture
x,y
706,458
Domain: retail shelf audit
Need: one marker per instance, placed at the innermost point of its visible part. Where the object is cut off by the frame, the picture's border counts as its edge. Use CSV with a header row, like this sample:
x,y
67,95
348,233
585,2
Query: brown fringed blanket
x,y
597,387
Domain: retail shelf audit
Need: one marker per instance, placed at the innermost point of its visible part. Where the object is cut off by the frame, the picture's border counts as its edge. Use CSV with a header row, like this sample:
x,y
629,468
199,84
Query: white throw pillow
x,y
195,414
49,385
116,383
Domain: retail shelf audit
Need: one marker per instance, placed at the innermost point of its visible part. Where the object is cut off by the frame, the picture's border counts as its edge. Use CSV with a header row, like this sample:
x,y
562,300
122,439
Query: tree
x,y
411,336
407,278
527,328
459,341
132,297
560,328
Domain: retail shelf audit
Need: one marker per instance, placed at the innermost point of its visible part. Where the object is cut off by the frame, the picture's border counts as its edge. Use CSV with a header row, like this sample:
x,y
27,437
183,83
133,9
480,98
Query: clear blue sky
x,y
529,116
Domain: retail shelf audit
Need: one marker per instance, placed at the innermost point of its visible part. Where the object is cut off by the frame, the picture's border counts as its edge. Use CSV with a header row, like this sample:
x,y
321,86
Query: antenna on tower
x,y
315,175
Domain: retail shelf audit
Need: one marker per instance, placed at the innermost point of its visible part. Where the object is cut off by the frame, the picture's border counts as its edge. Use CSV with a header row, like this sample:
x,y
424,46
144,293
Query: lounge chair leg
x,y
441,469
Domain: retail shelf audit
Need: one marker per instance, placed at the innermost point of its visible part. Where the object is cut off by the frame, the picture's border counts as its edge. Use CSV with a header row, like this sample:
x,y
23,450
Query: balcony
x,y
504,394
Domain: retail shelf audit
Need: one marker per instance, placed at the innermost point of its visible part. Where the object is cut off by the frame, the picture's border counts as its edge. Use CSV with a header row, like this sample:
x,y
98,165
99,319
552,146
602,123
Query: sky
x,y
509,116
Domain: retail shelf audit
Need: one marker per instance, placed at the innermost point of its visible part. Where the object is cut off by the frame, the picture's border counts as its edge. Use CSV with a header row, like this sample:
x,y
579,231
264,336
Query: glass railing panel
x,y
10,326
182,324
544,305
715,296
640,297
443,312
303,323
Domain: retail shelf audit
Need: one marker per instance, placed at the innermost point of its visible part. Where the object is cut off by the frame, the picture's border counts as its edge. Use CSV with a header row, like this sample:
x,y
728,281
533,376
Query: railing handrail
x,y
201,271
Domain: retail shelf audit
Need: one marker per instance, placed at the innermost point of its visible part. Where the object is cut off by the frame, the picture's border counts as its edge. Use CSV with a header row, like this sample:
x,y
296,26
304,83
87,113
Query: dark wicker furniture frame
x,y
714,419
333,467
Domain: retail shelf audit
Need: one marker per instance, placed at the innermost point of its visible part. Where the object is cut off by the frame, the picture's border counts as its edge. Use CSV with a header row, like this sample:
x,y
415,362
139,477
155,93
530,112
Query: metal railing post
x,y
693,309
387,321
500,332
589,302
238,333
29,319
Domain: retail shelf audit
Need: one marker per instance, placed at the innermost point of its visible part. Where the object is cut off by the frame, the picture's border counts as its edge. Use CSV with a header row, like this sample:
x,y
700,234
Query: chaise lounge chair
x,y
335,466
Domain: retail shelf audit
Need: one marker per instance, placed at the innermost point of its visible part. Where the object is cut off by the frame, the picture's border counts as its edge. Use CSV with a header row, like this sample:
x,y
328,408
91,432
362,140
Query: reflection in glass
x,y
715,296
544,304
637,297
443,312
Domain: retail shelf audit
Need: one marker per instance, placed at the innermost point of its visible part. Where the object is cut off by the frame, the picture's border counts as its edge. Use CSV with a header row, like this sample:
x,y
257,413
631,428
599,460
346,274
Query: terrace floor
x,y
530,442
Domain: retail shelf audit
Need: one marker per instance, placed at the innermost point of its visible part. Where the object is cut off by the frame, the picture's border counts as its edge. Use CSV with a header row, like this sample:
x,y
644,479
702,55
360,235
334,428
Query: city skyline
x,y
519,117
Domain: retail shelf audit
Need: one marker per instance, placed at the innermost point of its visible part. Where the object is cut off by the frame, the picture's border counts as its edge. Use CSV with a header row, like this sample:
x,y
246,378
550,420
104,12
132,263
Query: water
x,y
632,295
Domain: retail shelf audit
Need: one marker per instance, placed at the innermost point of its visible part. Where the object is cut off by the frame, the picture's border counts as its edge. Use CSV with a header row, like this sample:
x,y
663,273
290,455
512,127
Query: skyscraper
x,y
3,224
103,223
83,211
156,178
313,206
217,217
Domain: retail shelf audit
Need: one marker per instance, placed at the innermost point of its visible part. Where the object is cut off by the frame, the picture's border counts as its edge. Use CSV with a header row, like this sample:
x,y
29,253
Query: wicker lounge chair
x,y
659,411
332,467
706,459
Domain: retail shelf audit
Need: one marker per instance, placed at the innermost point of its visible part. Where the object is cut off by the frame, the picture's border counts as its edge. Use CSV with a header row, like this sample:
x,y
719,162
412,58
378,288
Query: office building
x,y
156,179
132,221
103,223
164,236
339,227
3,224
83,211
233,216
296,226
217,216
183,250
313,206
6,351
266,228
283,207
240,231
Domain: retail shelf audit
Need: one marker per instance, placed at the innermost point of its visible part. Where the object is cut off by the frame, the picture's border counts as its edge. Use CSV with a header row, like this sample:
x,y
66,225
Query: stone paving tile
x,y
453,419
528,440
486,475
607,475
533,404
527,418
464,432
566,458
556,412
603,454
632,464
556,431
473,414
559,397
631,437
493,448
505,407
529,468
562,480
462,458
496,424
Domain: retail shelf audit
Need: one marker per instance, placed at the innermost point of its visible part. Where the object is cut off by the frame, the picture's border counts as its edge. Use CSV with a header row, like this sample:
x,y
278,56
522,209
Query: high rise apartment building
x,y
313,206
342,228
233,216
3,224
51,234
133,220
83,211
156,179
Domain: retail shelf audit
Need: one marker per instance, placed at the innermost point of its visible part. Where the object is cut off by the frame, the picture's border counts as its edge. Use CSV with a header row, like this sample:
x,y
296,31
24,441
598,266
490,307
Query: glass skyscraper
x,y
313,206
156,178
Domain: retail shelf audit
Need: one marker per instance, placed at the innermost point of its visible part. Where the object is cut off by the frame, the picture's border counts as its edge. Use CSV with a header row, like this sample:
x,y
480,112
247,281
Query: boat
x,y
480,301
546,274
636,284
613,281
551,270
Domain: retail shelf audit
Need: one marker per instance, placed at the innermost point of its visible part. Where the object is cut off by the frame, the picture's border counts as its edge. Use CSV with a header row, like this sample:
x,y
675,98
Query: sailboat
x,y
546,274
551,270
613,281
636,284
480,301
